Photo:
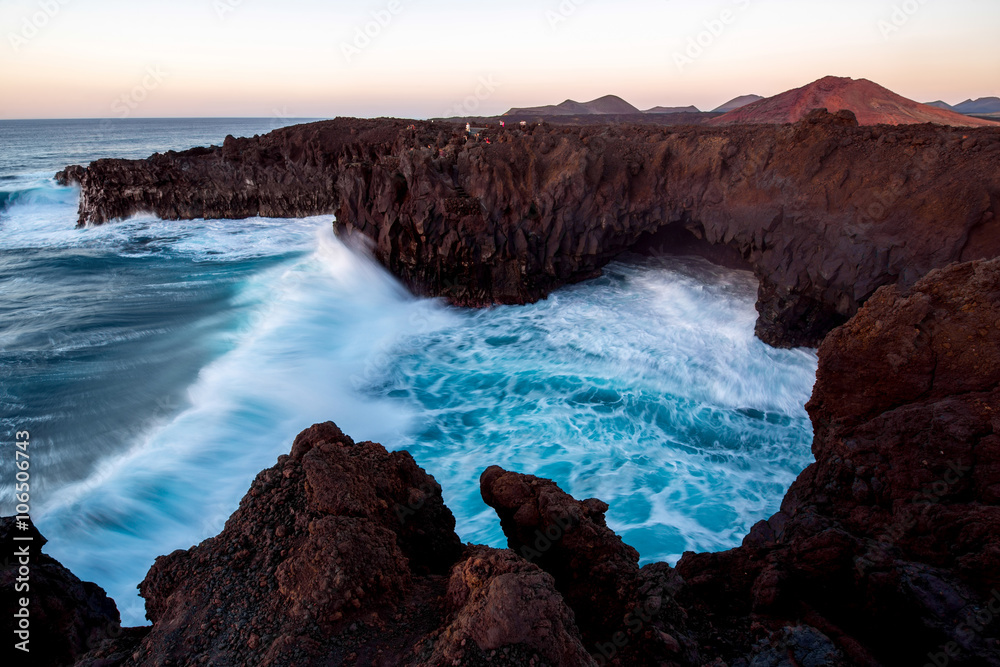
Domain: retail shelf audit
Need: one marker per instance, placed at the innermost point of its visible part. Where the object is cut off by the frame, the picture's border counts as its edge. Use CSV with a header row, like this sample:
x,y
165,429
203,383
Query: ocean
x,y
160,365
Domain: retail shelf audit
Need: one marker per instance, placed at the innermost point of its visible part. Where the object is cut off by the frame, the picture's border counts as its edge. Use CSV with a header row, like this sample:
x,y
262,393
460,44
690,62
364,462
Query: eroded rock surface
x,y
886,551
890,543
824,211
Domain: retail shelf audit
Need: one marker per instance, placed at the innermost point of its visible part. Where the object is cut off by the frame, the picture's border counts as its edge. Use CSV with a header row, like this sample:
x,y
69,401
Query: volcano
x,y
609,104
870,102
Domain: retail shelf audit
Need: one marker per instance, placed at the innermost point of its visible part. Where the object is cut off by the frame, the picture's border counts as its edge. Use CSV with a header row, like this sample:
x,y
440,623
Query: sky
x,y
432,58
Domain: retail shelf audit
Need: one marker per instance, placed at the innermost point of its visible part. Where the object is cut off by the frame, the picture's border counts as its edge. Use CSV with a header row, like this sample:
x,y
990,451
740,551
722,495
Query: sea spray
x,y
161,365
645,388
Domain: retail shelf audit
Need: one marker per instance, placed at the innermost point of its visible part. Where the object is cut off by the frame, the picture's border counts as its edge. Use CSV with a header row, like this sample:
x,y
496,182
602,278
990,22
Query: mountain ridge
x,y
870,103
606,105
737,103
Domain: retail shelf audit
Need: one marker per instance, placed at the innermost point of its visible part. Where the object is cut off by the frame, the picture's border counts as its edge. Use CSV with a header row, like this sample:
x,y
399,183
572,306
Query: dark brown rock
x,y
500,600
595,571
824,212
336,556
316,551
890,542
886,551
71,175
67,617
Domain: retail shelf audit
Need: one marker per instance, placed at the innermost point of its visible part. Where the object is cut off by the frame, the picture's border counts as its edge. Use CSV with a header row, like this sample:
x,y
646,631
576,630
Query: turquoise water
x,y
160,365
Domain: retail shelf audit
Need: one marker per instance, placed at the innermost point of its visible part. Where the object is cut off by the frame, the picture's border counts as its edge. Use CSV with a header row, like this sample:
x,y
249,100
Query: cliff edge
x,y
823,211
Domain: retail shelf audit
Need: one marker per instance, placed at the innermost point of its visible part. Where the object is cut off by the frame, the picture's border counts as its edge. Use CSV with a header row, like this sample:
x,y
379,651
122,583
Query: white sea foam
x,y
313,325
645,387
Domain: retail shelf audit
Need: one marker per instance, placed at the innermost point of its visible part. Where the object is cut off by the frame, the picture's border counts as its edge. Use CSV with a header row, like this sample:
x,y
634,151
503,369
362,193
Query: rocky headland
x,y
873,242
824,211
886,551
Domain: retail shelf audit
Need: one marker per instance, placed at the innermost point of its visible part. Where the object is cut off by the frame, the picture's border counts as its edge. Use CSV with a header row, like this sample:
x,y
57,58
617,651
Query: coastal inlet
x,y
209,344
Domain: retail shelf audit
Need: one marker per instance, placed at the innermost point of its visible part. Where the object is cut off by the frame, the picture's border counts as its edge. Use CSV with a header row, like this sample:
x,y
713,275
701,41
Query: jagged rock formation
x,y
66,617
886,551
824,212
890,543
344,553
592,566
324,560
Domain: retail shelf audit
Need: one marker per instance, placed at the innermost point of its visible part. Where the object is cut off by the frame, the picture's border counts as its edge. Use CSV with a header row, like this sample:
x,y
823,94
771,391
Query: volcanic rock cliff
x,y
886,551
824,212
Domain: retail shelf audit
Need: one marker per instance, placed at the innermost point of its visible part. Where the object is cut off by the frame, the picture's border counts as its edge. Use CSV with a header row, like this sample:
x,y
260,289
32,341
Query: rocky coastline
x,y
886,551
824,211
873,243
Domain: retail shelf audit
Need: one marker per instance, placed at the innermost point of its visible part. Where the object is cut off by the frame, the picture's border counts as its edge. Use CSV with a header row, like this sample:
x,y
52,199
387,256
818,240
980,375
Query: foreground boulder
x,y
66,617
594,569
315,552
824,211
344,553
625,614
503,605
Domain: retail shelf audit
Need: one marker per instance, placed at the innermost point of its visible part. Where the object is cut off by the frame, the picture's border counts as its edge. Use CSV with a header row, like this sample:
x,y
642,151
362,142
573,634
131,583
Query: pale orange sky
x,y
425,58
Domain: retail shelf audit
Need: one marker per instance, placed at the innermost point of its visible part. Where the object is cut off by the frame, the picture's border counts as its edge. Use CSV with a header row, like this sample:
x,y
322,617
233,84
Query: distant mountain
x,y
691,109
734,104
941,105
609,104
870,102
982,105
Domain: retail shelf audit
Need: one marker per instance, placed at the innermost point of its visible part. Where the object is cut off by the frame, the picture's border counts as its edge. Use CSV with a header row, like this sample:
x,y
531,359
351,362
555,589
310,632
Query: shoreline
x,y
848,550
824,211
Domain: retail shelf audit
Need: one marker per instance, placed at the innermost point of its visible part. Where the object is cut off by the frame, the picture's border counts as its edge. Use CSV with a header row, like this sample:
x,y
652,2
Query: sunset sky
x,y
426,58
